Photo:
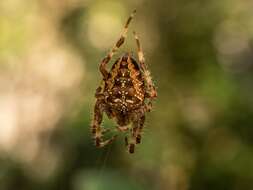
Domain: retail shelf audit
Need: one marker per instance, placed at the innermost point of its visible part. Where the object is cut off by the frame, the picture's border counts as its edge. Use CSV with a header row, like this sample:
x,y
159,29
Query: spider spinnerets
x,y
125,94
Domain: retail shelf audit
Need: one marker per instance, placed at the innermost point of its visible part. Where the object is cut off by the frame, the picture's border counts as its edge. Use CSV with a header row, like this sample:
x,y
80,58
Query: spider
x,y
125,95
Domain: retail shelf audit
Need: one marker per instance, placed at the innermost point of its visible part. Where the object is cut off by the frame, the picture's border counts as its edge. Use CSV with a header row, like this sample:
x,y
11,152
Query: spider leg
x,y
126,141
138,131
130,143
138,126
115,47
98,93
97,130
151,91
135,136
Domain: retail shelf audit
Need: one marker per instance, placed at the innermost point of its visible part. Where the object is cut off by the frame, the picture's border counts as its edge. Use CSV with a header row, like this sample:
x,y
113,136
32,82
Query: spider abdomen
x,y
125,86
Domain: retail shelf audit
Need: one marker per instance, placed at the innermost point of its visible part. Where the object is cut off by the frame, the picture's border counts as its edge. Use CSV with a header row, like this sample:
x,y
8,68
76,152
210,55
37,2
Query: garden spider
x,y
125,94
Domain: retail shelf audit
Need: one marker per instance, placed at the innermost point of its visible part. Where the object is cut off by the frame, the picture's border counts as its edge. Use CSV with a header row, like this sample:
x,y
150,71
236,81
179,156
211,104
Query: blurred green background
x,y
199,135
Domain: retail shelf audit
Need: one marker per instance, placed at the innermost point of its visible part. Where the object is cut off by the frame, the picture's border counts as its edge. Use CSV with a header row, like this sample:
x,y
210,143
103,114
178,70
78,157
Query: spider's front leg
x,y
97,130
120,41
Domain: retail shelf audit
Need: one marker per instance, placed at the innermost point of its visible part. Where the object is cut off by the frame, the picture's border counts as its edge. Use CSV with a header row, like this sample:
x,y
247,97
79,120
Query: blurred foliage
x,y
199,135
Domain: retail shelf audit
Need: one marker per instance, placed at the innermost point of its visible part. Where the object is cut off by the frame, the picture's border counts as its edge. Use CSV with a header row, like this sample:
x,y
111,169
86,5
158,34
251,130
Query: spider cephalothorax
x,y
125,95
